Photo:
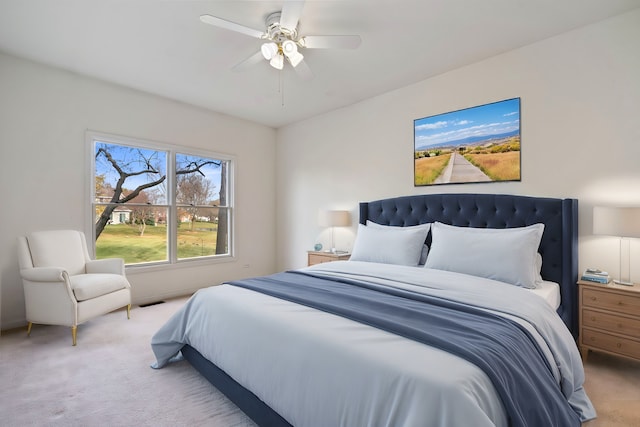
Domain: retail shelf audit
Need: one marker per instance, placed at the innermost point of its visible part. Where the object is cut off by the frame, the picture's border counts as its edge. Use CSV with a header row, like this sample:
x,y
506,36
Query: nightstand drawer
x,y
611,301
611,322
315,257
318,259
611,343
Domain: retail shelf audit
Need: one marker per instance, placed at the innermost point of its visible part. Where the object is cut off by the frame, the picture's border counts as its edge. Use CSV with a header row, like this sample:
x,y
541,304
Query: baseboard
x,y
165,296
13,324
22,323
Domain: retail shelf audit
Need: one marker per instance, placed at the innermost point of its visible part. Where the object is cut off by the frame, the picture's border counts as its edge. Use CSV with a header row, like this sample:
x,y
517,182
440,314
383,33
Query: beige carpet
x,y
613,384
106,379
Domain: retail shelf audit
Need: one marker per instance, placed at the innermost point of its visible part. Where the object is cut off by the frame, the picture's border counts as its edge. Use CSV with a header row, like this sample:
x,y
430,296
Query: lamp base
x,y
622,282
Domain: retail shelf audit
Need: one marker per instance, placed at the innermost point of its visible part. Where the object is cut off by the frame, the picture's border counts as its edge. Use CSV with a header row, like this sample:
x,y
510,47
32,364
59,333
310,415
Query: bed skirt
x,y
248,402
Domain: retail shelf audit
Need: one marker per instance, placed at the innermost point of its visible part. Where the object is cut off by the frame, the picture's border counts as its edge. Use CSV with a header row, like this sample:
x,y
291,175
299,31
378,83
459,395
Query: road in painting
x,y
478,144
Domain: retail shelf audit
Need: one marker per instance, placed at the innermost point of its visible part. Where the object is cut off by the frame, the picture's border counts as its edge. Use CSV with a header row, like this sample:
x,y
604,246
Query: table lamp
x,y
623,222
333,219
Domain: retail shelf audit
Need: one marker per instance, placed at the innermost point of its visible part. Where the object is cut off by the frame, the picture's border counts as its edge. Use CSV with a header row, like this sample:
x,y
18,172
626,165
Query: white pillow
x,y
507,255
425,249
389,245
539,278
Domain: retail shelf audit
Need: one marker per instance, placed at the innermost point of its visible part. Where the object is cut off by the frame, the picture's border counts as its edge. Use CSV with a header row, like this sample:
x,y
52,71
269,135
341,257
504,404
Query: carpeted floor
x,y
613,385
106,379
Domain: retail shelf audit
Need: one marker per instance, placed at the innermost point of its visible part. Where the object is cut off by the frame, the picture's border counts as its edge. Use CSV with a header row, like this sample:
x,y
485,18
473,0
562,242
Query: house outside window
x,y
153,203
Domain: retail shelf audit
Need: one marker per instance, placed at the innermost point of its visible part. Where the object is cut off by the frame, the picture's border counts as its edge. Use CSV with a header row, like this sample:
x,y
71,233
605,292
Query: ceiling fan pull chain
x,y
281,87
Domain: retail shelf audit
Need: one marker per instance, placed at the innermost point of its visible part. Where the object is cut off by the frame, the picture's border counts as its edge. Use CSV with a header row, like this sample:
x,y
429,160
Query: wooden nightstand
x,y
317,257
609,319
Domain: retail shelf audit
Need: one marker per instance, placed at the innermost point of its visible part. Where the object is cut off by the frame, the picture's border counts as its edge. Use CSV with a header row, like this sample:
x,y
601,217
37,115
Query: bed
x,y
353,342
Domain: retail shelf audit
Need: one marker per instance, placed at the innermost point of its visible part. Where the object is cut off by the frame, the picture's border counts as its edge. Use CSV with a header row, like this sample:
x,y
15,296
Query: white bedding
x,y
314,368
548,291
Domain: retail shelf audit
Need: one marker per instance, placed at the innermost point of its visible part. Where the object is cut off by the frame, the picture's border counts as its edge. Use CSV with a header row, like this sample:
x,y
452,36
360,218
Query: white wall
x,y
44,113
580,100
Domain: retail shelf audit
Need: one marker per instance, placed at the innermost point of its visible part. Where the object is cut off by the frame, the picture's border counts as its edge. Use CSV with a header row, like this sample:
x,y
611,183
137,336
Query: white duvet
x,y
318,369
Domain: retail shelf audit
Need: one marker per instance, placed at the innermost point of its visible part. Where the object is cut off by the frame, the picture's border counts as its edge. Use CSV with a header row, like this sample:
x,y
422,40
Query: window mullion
x,y
192,231
172,226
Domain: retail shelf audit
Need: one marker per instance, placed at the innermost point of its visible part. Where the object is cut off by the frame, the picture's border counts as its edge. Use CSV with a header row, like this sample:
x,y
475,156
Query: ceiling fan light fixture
x,y
269,50
290,50
295,59
277,61
289,47
281,40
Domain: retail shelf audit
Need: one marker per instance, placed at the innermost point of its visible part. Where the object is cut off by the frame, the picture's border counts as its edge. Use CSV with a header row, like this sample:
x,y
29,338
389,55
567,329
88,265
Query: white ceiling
x,y
161,47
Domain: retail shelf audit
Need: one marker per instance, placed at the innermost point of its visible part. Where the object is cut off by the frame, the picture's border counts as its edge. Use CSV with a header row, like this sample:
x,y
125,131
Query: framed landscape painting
x,y
477,144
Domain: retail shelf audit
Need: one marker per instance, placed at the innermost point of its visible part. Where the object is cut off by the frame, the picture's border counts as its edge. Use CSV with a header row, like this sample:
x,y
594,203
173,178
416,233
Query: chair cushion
x,y
88,286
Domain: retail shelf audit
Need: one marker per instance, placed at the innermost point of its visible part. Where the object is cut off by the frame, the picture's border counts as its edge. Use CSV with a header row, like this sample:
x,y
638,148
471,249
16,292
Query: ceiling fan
x,y
281,39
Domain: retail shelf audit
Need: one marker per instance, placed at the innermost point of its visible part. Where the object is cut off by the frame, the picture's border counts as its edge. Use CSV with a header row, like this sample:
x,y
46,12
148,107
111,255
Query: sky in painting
x,y
481,122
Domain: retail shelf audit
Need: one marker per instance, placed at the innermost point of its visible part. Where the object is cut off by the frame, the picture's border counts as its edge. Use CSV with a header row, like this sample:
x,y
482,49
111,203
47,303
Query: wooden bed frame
x,y
558,248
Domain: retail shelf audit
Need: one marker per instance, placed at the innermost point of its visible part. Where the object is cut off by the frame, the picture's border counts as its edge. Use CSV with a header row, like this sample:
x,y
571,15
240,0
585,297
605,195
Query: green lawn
x,y
124,241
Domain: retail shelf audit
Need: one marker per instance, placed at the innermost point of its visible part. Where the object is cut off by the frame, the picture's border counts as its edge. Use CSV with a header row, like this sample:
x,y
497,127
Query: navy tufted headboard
x,y
558,247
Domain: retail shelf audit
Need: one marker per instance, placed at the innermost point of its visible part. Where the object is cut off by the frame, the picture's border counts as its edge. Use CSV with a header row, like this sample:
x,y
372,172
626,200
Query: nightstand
x,y
609,319
318,257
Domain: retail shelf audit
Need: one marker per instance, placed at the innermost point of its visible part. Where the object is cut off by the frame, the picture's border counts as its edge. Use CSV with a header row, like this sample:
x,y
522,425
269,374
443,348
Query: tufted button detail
x,y
483,210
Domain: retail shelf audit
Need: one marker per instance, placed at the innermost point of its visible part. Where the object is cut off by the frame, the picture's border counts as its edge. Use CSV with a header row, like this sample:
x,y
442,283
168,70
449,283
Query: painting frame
x,y
480,144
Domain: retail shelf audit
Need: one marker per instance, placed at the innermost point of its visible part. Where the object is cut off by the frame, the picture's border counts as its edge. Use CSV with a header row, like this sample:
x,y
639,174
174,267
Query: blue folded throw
x,y
504,350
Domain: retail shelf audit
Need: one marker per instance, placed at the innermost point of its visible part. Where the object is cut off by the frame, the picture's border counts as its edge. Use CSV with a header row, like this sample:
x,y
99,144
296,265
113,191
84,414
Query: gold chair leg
x,y
74,333
128,311
29,328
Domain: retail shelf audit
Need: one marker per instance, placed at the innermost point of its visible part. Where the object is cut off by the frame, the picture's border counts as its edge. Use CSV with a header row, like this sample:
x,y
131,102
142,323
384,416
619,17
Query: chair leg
x,y
29,328
128,311
74,333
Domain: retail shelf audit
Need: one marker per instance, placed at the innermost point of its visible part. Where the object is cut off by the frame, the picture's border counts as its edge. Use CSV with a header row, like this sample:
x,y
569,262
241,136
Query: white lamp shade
x,y
289,47
616,221
290,50
277,61
295,58
269,50
335,218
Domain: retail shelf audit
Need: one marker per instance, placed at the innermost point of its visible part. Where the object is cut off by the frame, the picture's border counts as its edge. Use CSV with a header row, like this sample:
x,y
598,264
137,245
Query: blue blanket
x,y
500,347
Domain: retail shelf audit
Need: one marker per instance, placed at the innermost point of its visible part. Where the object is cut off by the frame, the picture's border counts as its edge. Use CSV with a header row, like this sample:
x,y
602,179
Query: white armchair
x,y
63,286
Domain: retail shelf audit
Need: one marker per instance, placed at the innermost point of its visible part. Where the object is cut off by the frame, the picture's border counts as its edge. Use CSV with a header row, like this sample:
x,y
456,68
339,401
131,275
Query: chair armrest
x,y
44,274
108,265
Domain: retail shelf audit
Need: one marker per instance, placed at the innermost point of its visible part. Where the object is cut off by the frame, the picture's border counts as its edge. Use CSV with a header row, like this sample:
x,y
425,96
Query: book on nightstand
x,y
596,276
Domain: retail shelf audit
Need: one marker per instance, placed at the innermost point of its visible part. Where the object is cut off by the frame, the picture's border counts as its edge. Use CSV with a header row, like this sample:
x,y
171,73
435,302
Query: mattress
x,y
548,291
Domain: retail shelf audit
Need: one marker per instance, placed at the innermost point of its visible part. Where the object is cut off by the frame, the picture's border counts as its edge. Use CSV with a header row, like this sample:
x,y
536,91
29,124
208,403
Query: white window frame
x,y
93,137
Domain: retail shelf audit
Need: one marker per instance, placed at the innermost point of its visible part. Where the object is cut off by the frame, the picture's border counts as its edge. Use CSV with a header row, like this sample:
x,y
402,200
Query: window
x,y
152,203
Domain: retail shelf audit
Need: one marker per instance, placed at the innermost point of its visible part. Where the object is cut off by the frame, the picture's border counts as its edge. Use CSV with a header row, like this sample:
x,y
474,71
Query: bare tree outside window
x,y
135,213
198,198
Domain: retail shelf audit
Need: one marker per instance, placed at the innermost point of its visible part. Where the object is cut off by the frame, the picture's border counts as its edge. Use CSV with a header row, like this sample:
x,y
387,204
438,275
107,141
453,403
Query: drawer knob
x,y
620,325
593,318
619,345
593,298
620,303
593,338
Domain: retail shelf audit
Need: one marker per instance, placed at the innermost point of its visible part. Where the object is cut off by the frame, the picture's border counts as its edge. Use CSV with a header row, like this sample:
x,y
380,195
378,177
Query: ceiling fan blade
x,y
303,70
249,62
290,15
228,25
331,42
